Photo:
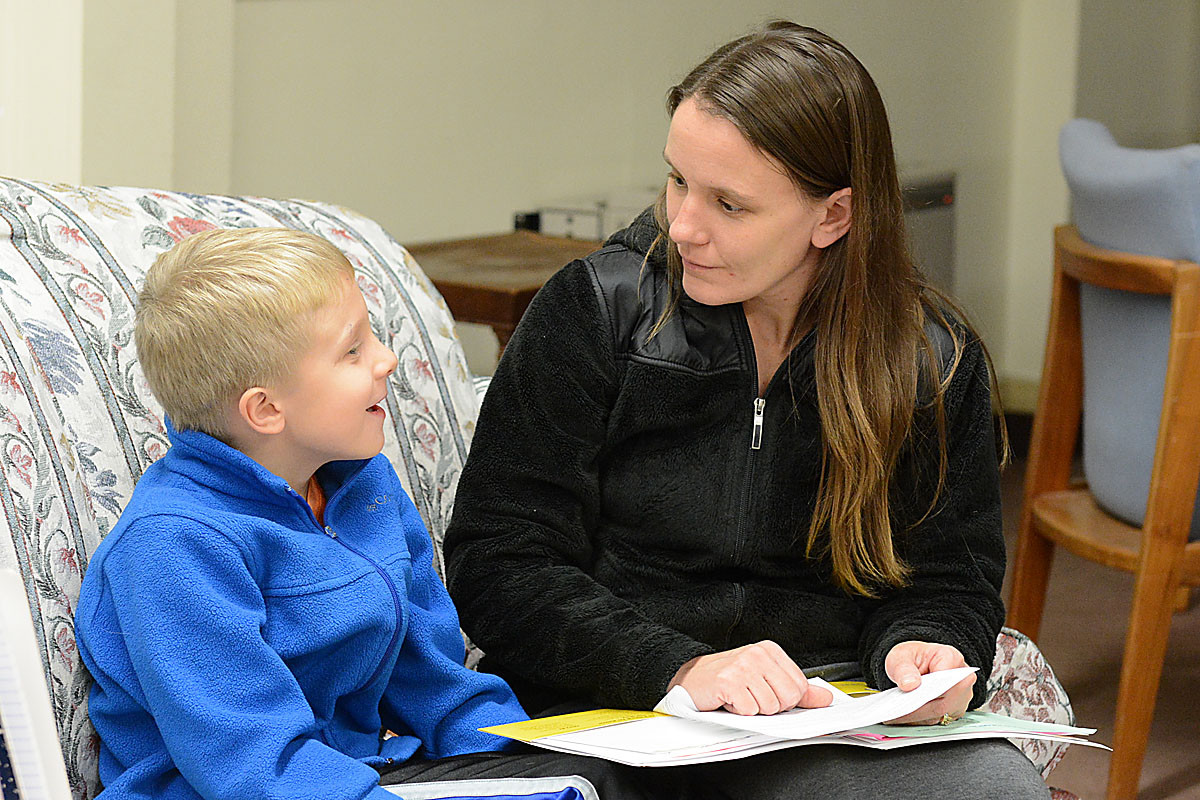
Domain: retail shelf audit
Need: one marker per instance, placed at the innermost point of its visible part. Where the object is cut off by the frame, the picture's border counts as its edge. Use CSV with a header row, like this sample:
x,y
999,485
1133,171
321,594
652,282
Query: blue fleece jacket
x,y
240,650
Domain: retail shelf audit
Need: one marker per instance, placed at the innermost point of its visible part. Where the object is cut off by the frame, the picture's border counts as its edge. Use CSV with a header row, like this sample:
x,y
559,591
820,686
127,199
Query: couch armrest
x,y
1024,686
482,382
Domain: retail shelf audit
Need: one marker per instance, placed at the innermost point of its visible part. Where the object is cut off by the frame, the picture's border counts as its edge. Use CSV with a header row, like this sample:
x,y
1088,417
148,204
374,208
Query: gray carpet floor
x,y
1082,637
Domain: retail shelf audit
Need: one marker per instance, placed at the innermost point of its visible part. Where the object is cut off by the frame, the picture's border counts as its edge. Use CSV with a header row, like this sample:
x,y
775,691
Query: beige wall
x,y
203,109
442,119
1043,100
443,125
134,92
1139,70
128,126
41,89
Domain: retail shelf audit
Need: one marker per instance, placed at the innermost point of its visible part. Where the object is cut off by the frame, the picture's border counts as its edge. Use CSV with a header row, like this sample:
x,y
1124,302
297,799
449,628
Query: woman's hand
x,y
755,679
905,665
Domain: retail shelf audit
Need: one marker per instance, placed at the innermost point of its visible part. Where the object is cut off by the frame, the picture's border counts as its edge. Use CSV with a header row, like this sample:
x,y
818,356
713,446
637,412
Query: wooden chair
x,y
1059,512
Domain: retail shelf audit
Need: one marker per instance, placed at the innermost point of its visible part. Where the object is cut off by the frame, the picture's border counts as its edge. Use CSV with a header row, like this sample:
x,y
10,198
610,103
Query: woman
x,y
745,442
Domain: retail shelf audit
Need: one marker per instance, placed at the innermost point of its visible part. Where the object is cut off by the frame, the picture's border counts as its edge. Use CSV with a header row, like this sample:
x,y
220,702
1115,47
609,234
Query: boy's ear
x,y
259,411
836,220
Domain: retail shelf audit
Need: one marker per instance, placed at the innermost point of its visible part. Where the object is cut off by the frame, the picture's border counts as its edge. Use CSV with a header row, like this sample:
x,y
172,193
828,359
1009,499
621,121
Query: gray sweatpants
x,y
612,781
989,769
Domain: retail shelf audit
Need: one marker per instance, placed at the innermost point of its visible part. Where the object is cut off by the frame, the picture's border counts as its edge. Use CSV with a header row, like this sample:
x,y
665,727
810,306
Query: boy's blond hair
x,y
224,310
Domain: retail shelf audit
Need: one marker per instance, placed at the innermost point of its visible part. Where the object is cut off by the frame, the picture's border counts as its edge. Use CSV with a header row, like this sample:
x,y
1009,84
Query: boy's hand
x,y
755,679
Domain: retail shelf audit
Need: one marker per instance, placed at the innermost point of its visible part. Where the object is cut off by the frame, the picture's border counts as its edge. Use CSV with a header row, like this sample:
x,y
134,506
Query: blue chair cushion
x,y
1138,201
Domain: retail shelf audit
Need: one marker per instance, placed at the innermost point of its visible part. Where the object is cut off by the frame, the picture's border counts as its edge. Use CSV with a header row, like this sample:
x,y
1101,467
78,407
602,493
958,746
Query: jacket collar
x,y
227,470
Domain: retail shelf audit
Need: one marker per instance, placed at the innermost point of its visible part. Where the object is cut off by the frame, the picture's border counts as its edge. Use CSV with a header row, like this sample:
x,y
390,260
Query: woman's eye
x,y
729,207
677,181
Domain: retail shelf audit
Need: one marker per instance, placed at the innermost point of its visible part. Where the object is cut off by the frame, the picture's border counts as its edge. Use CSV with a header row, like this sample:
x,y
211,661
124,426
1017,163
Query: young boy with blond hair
x,y
266,606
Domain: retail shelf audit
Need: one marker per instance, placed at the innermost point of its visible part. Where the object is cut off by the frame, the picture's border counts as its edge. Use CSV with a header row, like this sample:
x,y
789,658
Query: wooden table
x,y
491,279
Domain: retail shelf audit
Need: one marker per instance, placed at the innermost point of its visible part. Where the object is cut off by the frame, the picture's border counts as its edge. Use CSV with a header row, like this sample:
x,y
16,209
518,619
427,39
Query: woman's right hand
x,y
755,679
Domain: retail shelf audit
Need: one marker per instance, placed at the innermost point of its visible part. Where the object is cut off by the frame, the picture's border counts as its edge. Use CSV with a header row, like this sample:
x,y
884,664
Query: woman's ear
x,y
836,222
260,412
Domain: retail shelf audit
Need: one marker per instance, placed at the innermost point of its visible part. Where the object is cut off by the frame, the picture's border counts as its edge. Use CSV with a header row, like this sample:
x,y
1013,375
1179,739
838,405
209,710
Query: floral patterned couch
x,y
78,425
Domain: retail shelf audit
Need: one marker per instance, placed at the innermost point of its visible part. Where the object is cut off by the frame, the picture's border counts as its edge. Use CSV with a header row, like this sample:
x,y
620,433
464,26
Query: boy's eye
x,y
729,207
353,351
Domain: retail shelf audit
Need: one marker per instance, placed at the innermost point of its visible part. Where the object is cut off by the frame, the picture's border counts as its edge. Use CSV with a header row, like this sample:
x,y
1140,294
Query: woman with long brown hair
x,y
745,443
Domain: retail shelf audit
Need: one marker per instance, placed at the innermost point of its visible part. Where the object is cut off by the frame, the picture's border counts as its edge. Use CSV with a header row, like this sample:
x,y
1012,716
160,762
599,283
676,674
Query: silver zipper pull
x,y
332,533
756,436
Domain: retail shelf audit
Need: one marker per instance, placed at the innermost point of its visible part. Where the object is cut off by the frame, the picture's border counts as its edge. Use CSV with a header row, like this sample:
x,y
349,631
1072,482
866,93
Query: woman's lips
x,y
693,265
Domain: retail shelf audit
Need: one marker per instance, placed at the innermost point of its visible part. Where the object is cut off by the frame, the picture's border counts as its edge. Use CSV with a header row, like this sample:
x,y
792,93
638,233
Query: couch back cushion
x,y
78,425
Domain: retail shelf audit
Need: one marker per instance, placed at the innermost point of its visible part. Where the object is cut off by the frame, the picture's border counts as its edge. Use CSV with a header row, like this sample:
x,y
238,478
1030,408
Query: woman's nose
x,y
686,227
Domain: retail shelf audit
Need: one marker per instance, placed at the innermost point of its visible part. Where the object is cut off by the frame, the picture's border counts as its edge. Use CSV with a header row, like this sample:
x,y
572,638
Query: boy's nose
x,y
388,362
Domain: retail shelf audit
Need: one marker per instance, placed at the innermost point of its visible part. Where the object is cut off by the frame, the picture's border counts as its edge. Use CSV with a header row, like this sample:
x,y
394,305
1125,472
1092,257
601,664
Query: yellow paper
x,y
854,688
567,723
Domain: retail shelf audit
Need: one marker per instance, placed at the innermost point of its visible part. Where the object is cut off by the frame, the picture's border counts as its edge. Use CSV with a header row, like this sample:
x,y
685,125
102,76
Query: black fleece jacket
x,y
614,519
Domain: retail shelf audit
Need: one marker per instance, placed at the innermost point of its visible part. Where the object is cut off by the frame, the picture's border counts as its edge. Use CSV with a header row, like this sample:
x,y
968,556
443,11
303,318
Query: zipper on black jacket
x,y
756,437
747,504
757,432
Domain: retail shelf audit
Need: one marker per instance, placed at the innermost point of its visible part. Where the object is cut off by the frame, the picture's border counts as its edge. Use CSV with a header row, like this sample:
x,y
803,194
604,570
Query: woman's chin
x,y
706,293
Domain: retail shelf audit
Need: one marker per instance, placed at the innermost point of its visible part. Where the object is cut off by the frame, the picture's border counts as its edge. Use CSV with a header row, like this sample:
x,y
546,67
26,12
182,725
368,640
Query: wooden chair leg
x,y
1141,670
1031,576
1183,599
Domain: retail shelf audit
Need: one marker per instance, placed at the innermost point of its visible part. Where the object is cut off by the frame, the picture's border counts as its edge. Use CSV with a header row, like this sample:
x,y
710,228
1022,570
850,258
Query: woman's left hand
x,y
905,665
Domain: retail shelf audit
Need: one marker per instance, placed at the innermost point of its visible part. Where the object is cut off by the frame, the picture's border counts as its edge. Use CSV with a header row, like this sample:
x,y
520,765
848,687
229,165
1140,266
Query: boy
x,y
267,605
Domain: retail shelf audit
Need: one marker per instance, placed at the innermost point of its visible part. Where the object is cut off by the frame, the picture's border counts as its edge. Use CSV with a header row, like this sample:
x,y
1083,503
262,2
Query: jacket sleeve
x,y
232,717
956,552
431,693
520,543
